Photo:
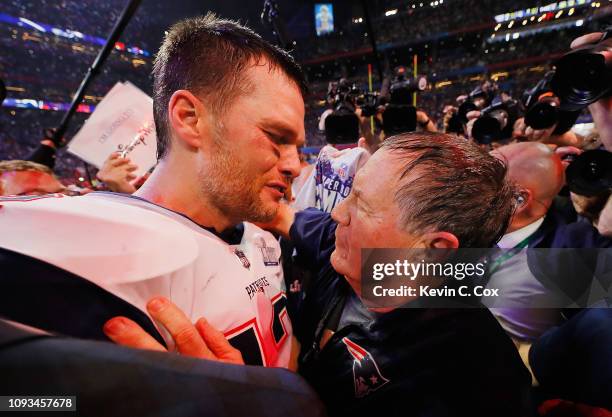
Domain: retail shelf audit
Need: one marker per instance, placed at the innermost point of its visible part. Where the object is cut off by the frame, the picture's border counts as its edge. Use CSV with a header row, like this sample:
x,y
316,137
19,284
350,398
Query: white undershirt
x,y
510,240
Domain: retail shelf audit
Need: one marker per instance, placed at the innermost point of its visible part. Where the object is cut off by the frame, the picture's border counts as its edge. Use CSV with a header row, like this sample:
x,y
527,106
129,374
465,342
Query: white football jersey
x,y
331,180
137,250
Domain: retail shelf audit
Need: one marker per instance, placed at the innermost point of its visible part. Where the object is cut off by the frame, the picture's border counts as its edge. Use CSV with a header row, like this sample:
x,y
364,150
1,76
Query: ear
x,y
523,201
440,240
188,118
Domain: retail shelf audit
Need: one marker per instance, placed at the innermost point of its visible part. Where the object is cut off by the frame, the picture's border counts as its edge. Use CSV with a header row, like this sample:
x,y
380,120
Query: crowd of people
x,y
252,264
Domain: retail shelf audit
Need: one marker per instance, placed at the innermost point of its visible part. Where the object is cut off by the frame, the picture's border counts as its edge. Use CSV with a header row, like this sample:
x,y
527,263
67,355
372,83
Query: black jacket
x,y
417,362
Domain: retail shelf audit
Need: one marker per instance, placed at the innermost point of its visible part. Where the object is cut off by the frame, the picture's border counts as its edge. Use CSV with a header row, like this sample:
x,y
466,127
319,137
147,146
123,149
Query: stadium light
x,y
524,22
559,13
497,27
391,12
571,12
511,24
579,22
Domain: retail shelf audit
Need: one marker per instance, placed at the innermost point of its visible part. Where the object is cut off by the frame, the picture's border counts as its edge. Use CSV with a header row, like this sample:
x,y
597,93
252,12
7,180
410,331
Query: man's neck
x,y
173,188
522,222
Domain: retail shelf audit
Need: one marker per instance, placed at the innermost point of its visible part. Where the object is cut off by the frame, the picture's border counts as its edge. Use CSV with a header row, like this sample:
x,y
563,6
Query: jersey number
x,y
262,346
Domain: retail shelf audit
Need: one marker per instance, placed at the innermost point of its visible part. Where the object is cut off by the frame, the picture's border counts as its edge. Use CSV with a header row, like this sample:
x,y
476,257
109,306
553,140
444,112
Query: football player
x,y
396,361
229,114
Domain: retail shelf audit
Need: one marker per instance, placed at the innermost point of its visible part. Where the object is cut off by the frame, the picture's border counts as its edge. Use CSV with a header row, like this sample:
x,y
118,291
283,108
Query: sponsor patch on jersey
x,y
240,254
268,253
256,286
366,375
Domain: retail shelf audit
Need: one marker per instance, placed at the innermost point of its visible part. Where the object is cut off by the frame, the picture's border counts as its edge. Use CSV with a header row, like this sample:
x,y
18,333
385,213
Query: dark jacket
x,y
110,380
417,362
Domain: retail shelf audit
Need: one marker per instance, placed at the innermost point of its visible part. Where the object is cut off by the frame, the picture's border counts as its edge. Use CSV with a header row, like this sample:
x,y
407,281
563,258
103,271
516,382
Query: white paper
x,y
122,121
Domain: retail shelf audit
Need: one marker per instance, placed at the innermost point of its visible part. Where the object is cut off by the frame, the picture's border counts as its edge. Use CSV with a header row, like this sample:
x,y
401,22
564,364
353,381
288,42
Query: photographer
x,y
399,115
601,111
331,179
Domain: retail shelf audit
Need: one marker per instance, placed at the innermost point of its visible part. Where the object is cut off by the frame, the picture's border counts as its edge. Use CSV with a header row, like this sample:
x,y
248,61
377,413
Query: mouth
x,y
279,188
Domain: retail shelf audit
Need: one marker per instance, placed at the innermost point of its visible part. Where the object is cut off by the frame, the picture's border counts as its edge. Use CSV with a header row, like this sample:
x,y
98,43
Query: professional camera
x,y
543,108
496,121
590,174
584,75
402,87
400,115
342,125
477,99
342,93
369,103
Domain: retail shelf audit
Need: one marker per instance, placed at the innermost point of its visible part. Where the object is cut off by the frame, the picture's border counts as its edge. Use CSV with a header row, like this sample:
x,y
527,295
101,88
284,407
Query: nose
x,y
289,163
340,213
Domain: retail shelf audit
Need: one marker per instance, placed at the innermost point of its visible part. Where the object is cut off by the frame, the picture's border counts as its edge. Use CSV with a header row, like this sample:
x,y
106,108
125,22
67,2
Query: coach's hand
x,y
200,340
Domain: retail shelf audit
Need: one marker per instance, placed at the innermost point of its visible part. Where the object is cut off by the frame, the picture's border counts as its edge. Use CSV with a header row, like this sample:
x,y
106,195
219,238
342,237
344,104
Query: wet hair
x,y
210,56
449,184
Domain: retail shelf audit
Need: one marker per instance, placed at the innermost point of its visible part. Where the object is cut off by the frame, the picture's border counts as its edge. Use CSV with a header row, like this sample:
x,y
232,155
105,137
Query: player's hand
x,y
282,222
200,340
117,173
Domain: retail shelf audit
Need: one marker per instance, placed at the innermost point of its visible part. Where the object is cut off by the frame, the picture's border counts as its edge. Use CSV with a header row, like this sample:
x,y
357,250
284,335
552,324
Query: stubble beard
x,y
232,190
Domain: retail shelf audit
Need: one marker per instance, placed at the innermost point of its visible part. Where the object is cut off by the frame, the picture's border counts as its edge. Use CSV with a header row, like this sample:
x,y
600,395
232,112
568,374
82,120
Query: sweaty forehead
x,y
379,177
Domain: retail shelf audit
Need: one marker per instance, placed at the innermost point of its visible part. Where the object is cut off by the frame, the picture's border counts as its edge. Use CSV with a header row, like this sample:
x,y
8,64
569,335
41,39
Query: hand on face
x,y
200,340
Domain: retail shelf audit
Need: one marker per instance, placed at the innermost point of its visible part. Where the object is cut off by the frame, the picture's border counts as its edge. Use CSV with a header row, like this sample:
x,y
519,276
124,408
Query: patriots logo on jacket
x,y
367,376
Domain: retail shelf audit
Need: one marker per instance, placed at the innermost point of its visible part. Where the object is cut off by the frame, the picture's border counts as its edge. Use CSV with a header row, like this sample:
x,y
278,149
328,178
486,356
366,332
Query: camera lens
x,y
590,173
542,115
590,74
486,129
583,77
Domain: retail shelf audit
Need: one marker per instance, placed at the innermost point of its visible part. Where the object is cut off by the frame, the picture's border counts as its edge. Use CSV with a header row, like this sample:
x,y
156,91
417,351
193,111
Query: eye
x,y
274,138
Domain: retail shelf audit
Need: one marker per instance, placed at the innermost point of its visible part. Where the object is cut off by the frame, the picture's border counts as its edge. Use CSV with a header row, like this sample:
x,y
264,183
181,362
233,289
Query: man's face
x,y
369,217
28,183
255,154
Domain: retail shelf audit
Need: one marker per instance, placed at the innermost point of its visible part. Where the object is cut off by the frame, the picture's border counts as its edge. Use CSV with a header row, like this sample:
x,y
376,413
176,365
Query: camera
x,y
477,99
402,87
543,108
496,121
584,75
400,115
342,125
590,174
369,102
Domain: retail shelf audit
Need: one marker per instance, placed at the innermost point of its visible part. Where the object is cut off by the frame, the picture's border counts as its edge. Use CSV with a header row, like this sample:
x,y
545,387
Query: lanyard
x,y
497,262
